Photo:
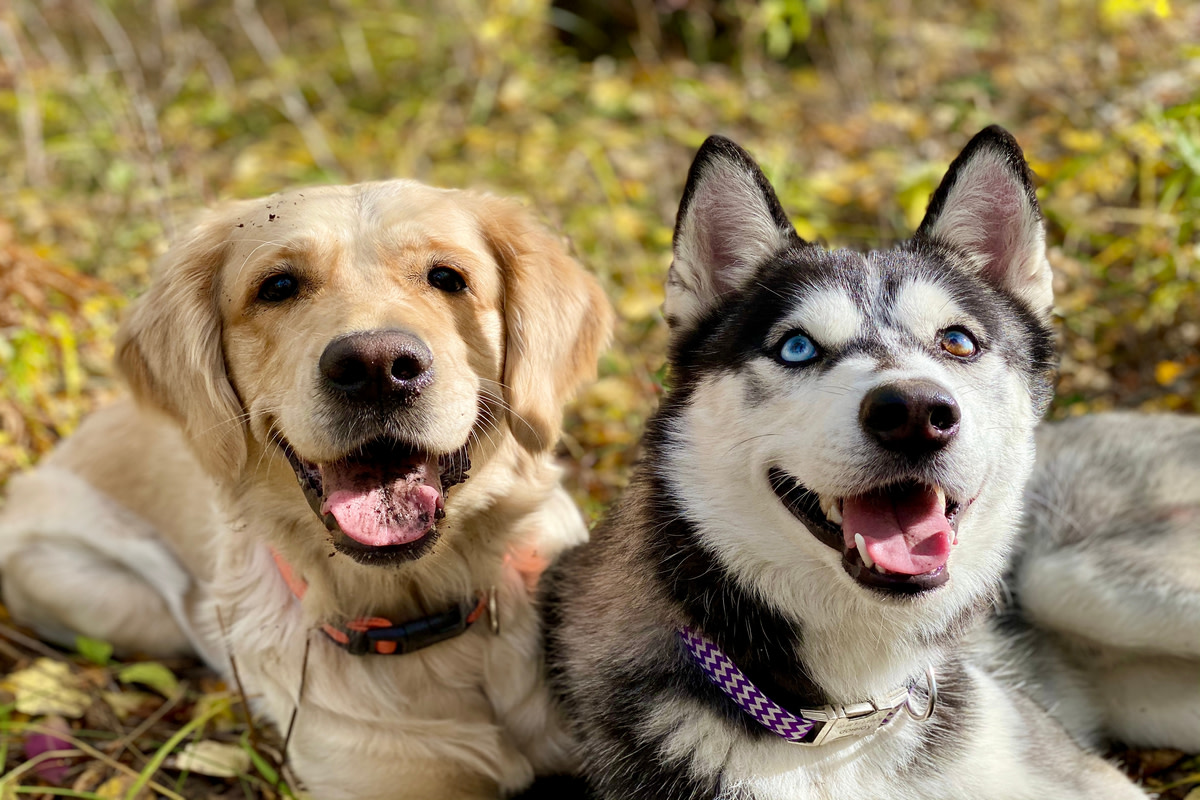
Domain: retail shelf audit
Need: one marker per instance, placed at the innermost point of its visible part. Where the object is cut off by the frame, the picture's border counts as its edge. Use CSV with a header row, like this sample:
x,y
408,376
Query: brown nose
x,y
913,417
377,366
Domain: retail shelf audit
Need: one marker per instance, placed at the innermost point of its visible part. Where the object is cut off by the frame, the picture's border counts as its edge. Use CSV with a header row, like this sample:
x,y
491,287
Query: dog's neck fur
x,y
460,563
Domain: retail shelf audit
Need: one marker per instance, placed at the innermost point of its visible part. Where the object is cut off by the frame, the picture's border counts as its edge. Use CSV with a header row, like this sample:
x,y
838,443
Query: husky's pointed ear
x,y
987,210
729,222
557,321
169,350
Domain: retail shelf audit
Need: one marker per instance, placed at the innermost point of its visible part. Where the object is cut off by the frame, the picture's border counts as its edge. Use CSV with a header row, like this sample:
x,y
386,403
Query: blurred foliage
x,y
118,120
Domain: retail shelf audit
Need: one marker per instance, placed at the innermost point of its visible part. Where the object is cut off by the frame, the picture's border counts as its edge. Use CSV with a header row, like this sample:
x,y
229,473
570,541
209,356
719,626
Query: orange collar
x,y
378,635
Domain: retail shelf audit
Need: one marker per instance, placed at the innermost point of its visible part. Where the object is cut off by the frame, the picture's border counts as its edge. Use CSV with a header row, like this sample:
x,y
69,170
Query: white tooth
x,y
834,514
941,496
862,551
827,503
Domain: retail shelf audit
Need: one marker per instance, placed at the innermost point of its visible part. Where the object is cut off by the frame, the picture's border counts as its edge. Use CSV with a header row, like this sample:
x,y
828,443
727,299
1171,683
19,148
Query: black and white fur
x,y
1104,623
701,538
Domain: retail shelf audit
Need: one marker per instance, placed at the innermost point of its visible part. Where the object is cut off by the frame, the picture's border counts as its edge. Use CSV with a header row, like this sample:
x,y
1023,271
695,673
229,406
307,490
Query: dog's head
x,y
379,337
871,413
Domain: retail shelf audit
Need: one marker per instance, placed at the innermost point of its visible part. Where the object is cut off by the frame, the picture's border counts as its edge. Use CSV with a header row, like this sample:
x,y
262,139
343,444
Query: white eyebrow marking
x,y
829,316
924,308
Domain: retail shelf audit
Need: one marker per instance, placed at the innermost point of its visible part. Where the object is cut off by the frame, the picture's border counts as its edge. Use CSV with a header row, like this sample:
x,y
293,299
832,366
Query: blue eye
x,y
797,349
957,342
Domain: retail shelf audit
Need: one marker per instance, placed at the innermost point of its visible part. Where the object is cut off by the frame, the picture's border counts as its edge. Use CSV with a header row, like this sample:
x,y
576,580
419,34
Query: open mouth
x,y
895,538
383,501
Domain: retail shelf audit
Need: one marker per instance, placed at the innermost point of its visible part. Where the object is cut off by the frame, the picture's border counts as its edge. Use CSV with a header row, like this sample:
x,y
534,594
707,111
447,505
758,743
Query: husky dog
x,y
1108,575
826,502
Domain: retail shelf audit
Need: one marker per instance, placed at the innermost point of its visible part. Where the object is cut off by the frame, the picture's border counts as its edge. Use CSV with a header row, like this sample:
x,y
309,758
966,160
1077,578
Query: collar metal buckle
x,y
855,719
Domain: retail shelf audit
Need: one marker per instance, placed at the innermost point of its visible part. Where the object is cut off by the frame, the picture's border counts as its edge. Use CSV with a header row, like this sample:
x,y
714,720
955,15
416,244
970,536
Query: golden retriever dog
x,y
337,477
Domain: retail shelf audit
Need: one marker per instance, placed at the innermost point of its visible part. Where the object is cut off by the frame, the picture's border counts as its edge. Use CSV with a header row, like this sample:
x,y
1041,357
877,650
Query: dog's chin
x,y
929,535
381,502
386,555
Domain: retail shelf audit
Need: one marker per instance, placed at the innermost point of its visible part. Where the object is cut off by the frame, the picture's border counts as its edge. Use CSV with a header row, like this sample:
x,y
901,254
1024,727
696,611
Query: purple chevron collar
x,y
811,726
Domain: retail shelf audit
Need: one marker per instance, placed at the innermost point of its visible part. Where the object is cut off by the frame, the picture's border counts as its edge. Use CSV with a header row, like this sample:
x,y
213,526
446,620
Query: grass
x,y
119,120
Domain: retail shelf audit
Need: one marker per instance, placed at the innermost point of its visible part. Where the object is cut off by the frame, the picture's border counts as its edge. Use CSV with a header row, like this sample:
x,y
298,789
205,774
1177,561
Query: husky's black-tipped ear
x,y
986,209
729,222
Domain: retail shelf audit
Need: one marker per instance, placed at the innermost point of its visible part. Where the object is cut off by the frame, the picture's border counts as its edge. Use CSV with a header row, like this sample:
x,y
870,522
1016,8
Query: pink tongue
x,y
905,532
381,504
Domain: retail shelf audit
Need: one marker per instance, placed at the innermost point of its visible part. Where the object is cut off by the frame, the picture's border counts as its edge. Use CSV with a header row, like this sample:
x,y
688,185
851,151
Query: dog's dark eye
x,y
446,279
958,343
279,287
798,349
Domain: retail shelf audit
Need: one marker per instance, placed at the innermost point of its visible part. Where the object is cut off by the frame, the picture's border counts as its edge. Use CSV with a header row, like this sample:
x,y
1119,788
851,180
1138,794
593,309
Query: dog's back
x,y
1108,578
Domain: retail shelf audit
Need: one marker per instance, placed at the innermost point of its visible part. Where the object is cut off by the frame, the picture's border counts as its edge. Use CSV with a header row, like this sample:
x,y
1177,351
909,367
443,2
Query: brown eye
x,y
959,343
278,287
446,279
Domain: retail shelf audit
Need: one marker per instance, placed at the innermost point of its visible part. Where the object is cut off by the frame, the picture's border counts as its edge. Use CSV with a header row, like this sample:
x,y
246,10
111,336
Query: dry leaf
x,y
208,757
129,702
49,687
117,788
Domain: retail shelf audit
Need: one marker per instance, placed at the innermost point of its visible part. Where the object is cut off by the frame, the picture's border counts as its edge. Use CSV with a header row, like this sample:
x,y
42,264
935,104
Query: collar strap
x,y
811,726
381,636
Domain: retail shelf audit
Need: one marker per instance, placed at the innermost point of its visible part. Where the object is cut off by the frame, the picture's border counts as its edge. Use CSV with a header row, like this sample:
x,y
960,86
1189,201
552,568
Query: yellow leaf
x,y
126,703
116,787
1165,372
49,687
640,301
1082,141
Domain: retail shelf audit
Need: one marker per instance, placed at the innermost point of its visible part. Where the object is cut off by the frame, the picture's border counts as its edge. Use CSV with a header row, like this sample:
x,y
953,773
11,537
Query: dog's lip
x,y
809,508
452,470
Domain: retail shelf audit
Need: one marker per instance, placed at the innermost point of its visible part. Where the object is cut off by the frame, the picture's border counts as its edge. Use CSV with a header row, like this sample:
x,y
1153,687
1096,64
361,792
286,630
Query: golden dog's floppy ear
x,y
169,350
556,318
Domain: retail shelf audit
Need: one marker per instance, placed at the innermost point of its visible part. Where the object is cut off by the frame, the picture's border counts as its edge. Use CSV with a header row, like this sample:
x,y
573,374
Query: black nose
x,y
914,417
375,366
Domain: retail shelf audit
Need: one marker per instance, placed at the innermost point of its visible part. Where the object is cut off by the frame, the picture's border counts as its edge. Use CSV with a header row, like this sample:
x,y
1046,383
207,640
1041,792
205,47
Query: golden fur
x,y
152,526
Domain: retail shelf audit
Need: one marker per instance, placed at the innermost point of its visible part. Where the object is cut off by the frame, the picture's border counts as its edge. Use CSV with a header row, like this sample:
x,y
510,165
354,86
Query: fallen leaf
x,y
152,675
47,738
208,757
124,704
48,687
93,650
118,787
1165,372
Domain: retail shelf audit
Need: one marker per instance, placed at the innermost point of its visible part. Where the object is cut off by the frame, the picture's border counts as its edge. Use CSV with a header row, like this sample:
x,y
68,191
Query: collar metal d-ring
x,y
493,612
931,686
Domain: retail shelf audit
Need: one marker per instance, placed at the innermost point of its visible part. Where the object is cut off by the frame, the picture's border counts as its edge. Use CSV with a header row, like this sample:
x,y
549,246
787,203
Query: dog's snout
x,y
374,366
914,417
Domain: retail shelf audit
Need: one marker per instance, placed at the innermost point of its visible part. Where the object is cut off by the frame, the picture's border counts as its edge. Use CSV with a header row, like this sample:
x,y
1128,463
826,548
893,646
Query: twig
x,y
105,759
48,44
27,106
160,755
287,736
36,761
237,680
294,105
30,643
122,50
119,745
